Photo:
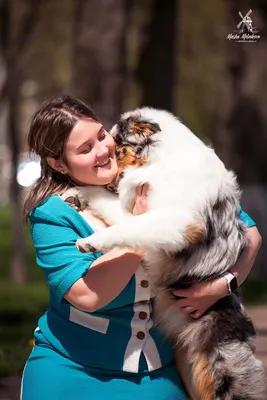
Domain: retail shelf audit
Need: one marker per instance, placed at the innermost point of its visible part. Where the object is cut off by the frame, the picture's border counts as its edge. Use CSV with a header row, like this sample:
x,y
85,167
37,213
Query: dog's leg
x,y
154,230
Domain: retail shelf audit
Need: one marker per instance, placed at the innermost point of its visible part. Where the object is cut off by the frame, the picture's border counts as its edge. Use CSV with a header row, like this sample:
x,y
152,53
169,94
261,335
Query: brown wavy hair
x,y
50,127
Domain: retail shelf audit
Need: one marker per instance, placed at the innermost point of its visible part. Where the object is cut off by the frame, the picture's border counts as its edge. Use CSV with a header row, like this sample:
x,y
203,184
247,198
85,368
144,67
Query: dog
x,y
191,233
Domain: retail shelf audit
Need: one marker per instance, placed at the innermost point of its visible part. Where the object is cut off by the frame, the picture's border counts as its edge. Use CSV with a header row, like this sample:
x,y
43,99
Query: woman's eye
x,y
86,149
102,136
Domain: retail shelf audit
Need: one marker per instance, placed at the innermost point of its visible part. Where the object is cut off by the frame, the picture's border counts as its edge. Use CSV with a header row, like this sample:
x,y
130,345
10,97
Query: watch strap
x,y
232,284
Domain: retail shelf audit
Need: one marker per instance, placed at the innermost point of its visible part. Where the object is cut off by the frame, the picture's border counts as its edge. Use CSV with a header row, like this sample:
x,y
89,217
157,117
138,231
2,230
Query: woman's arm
x,y
106,278
245,262
108,275
199,297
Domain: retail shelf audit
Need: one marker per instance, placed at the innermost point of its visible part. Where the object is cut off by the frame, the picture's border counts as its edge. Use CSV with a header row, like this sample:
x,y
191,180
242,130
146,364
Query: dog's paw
x,y
71,192
84,246
74,198
93,243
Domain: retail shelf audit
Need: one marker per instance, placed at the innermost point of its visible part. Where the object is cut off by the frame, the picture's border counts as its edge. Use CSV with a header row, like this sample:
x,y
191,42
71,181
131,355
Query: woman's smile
x,y
105,163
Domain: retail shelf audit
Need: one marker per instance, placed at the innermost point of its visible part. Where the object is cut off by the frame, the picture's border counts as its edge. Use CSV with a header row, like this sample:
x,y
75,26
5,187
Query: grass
x,y
21,306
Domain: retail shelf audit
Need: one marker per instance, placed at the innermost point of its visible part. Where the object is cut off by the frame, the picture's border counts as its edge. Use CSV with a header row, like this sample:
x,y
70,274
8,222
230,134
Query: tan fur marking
x,y
139,127
202,378
184,371
194,233
126,156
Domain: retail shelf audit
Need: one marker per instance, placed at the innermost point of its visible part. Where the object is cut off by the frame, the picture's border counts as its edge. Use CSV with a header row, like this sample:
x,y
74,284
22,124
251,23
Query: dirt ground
x,y
10,387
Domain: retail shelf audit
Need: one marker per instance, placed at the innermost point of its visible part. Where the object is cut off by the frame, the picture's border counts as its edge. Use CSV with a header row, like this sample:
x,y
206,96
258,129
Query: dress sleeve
x,y
246,218
54,241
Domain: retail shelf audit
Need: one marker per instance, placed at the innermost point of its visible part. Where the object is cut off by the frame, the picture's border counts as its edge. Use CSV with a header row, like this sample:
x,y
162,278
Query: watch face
x,y
233,284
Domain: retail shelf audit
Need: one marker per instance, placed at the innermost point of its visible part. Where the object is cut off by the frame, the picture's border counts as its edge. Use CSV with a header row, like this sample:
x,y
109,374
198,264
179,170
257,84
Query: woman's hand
x,y
201,296
140,205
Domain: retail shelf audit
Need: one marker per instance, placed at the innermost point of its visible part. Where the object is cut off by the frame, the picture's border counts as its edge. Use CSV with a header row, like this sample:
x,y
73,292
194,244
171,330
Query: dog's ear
x,y
143,127
133,125
122,125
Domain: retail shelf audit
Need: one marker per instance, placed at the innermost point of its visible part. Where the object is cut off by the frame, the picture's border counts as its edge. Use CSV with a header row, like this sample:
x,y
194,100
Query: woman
x,y
96,339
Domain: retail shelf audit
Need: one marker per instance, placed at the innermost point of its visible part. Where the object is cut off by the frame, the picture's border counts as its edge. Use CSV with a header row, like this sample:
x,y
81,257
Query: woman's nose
x,y
101,149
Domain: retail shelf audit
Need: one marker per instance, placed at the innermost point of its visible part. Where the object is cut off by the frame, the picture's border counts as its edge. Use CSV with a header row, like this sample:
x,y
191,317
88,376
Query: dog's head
x,y
136,130
133,135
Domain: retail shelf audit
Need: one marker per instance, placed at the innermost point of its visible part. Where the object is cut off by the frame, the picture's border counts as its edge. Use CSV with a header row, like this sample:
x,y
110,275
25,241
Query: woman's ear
x,y
57,165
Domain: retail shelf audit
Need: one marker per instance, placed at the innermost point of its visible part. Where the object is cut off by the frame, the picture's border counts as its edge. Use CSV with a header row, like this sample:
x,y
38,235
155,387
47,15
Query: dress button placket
x,y
144,306
144,283
143,315
141,335
141,324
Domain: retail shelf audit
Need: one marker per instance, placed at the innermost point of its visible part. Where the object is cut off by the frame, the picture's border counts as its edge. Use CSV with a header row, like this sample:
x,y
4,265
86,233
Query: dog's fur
x,y
191,233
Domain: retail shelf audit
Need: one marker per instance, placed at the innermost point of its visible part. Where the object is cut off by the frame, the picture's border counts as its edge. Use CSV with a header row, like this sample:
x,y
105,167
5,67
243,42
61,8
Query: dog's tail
x,y
223,367
223,376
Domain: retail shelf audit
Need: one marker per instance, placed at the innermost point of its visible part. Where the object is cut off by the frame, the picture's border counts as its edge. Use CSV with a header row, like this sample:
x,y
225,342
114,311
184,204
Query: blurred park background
x,y
117,55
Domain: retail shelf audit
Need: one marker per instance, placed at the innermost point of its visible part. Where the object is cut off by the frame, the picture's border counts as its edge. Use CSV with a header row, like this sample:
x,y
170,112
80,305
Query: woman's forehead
x,y
84,130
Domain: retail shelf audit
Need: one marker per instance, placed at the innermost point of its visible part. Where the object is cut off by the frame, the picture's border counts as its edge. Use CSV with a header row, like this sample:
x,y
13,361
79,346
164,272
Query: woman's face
x,y
90,154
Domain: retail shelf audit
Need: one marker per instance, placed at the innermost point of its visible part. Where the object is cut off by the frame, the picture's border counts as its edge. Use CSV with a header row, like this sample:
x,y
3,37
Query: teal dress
x,y
115,352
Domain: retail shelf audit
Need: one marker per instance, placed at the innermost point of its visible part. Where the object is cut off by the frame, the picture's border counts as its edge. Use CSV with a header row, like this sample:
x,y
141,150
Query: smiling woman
x,y
89,155
97,336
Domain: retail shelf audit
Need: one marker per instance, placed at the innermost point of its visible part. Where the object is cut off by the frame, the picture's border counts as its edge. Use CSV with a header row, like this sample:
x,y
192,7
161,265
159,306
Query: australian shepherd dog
x,y
191,233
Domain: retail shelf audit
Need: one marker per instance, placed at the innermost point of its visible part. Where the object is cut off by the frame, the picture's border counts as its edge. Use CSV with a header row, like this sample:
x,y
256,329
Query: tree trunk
x,y
18,271
17,265
157,65
241,123
9,96
3,43
243,103
99,56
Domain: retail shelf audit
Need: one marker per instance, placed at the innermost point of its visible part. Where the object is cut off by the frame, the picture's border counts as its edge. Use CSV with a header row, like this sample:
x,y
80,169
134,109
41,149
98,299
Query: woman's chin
x,y
106,175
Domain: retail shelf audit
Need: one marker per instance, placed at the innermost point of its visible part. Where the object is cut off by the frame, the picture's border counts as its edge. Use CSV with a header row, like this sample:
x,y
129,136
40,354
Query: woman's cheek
x,y
110,143
87,160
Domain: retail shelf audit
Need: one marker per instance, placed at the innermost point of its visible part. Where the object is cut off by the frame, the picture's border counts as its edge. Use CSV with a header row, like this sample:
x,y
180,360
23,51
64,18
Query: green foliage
x,y
20,306
33,271
20,309
200,63
254,291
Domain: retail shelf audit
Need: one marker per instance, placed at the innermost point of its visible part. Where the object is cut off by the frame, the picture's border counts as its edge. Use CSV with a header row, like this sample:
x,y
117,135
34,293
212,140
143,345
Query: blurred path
x,y
10,387
259,317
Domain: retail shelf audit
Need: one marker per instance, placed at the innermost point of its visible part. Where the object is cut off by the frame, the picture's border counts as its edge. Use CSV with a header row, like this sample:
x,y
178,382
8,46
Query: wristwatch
x,y
232,284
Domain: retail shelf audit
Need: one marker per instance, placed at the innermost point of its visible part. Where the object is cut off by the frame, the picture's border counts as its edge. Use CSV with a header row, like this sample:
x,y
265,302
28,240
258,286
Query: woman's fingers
x,y
191,311
140,205
188,309
138,191
182,292
184,302
195,314
144,190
